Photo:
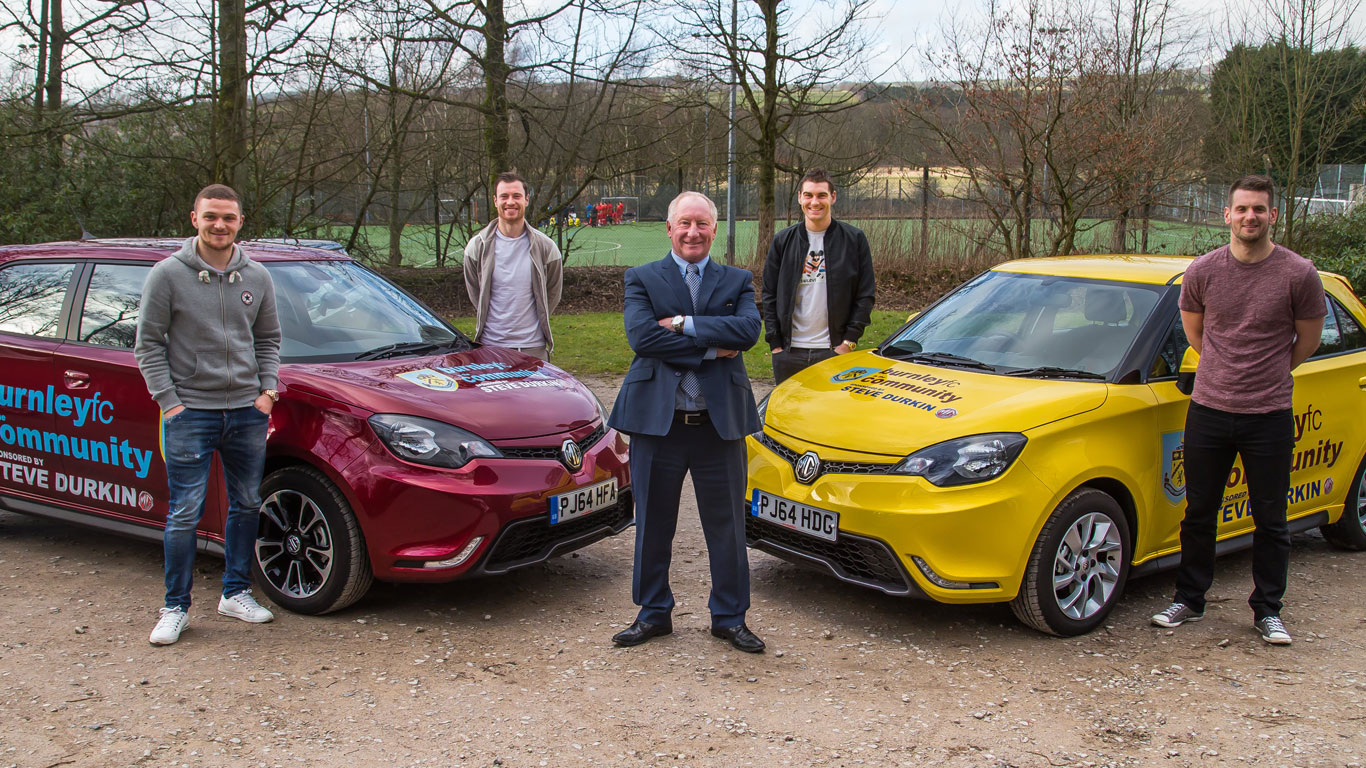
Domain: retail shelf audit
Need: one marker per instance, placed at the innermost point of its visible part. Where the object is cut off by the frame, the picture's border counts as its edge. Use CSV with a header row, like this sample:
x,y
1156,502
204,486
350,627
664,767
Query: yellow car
x,y
1021,440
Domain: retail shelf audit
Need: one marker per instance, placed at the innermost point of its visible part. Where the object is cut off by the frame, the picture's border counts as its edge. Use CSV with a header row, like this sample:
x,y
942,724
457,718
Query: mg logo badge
x,y
573,457
808,466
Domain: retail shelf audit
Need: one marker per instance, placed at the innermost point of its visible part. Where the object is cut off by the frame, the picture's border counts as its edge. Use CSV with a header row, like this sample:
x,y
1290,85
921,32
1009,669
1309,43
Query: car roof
x,y
157,248
1156,270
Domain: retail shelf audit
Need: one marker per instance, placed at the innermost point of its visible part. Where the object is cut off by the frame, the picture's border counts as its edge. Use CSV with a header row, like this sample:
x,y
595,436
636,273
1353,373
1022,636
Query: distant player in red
x,y
620,212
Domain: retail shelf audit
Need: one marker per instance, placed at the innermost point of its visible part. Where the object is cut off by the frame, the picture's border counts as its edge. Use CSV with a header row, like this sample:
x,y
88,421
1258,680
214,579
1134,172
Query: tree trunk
x,y
56,41
496,74
924,211
230,108
768,130
397,212
1119,236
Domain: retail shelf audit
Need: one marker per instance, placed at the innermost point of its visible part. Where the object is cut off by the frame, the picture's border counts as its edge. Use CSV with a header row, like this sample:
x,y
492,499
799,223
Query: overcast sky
x,y
899,24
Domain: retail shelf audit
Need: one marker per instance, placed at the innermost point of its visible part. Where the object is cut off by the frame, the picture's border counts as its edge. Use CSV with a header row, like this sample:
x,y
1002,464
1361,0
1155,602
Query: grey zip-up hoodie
x,y
208,339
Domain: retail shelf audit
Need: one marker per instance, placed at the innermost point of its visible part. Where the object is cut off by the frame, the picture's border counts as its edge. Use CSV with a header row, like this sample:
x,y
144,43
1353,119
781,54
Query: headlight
x,y
602,409
763,409
427,441
964,460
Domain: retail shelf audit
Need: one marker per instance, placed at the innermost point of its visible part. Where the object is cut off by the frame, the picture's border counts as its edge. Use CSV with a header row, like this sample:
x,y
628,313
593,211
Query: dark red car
x,y
399,450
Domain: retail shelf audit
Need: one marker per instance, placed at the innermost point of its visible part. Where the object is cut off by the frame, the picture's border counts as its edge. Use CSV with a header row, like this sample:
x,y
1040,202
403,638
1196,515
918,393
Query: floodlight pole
x,y
730,162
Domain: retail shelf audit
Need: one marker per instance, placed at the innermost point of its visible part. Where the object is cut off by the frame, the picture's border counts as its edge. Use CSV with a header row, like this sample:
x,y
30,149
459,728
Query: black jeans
x,y
1266,442
790,361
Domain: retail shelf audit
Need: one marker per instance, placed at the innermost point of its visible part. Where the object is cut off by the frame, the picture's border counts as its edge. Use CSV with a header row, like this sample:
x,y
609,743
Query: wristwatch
x,y
853,345
677,324
272,394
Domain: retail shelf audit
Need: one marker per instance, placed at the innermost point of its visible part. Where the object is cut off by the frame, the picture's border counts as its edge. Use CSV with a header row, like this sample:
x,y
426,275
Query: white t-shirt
x,y
811,315
512,320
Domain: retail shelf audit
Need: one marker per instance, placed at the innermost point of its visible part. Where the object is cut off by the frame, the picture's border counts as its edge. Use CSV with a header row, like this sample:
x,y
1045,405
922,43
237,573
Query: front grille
x,y
827,467
552,452
851,558
534,539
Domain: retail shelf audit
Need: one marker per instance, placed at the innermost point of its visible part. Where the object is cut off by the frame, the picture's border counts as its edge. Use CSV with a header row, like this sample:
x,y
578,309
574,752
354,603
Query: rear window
x,y
31,297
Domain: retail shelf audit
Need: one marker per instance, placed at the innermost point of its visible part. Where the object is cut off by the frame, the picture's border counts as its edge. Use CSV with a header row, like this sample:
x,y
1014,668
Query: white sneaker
x,y
172,622
1273,631
243,606
1175,615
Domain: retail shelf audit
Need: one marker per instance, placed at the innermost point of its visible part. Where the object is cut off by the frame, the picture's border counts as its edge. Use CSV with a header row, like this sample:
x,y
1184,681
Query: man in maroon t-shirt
x,y
1253,310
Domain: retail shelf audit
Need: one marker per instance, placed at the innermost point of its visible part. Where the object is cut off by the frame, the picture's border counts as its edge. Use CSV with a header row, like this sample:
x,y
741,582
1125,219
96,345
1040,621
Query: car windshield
x,y
1030,325
332,311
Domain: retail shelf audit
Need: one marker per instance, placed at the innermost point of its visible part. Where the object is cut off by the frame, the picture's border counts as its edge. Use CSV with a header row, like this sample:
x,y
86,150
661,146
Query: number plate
x,y
583,501
821,523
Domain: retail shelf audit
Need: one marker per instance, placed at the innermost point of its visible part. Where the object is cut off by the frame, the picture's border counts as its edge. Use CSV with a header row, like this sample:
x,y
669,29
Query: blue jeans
x,y
189,440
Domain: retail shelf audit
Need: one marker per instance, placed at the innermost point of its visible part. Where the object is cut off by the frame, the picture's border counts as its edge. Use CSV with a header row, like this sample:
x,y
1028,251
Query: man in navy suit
x,y
687,405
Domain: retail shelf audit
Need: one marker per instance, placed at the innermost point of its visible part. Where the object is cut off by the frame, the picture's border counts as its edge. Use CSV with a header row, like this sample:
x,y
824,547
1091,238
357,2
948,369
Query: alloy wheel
x,y
294,544
1086,566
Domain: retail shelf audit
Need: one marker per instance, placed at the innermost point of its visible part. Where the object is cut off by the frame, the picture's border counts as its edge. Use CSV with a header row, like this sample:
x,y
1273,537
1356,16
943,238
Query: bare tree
x,y
1285,96
785,73
1052,110
1153,109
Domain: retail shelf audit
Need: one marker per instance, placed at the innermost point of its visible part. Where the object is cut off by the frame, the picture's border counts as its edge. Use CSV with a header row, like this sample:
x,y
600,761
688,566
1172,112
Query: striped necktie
x,y
692,388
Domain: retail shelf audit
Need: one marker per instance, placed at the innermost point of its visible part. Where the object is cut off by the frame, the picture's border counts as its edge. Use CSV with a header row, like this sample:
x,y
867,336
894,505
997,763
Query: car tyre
x,y
310,552
1078,568
1349,532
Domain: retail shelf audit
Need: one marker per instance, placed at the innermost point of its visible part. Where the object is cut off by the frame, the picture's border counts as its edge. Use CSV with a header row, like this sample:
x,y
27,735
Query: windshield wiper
x,y
943,358
402,348
1054,372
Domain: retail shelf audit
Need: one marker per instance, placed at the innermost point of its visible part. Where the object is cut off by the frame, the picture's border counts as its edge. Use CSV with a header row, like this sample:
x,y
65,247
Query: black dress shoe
x,y
640,631
740,637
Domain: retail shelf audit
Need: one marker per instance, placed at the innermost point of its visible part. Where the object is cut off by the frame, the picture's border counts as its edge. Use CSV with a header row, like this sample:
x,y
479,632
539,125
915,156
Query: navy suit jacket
x,y
726,318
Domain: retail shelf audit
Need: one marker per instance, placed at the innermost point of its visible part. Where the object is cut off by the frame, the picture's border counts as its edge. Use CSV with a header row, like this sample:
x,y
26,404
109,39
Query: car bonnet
x,y
496,393
866,403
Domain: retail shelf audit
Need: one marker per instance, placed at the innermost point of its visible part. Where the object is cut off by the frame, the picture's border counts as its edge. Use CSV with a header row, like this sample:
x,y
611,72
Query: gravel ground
x,y
519,671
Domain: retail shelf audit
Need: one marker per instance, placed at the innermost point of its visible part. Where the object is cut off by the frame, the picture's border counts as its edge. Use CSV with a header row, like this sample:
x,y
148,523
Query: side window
x,y
1348,327
110,316
1168,360
31,298
1330,342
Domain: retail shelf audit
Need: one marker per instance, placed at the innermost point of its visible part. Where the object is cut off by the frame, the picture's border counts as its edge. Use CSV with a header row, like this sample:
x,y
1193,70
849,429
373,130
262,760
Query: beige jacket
x,y
546,265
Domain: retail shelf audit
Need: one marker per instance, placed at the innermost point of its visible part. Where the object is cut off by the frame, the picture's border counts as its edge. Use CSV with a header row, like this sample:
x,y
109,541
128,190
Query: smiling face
x,y
217,222
816,199
1250,216
692,228
511,200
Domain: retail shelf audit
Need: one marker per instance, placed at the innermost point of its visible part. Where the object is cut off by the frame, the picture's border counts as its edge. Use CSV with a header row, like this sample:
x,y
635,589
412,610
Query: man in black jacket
x,y
818,283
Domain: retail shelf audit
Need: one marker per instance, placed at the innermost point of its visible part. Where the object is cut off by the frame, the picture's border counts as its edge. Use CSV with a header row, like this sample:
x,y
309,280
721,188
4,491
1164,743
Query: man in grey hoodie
x,y
208,346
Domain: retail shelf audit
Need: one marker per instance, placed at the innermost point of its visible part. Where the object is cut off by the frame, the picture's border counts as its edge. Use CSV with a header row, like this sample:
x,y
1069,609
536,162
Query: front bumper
x,y
898,534
415,518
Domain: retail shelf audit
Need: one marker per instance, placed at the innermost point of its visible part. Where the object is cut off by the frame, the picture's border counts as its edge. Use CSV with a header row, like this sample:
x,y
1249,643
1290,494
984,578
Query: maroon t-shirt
x,y
1250,312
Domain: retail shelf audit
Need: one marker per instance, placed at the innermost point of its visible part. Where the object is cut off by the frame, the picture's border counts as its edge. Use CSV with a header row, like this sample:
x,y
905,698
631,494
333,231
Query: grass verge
x,y
595,344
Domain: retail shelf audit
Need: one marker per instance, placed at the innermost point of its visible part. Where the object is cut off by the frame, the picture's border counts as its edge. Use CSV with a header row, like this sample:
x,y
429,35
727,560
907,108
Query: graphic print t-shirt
x,y
810,316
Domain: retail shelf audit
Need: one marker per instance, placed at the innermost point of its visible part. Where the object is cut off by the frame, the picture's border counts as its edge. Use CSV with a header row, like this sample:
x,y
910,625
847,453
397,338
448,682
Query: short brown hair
x,y
1255,182
509,177
217,192
818,176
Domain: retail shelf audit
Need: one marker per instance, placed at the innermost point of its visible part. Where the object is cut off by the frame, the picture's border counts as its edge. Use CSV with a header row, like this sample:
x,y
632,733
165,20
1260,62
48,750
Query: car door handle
x,y
76,379
1361,382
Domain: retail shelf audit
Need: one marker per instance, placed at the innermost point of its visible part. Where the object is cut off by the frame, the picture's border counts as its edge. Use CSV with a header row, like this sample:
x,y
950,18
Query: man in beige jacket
x,y
514,275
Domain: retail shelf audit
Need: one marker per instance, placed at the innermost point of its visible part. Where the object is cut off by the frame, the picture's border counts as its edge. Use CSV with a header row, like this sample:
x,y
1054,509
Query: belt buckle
x,y
692,418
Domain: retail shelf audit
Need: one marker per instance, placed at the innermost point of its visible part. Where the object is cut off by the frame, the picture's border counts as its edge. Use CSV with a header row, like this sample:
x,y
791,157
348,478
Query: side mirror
x,y
1185,376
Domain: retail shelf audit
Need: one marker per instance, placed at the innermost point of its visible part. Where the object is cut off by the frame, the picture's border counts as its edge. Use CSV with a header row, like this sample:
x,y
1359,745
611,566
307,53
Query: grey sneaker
x,y
1273,630
243,606
169,626
1175,615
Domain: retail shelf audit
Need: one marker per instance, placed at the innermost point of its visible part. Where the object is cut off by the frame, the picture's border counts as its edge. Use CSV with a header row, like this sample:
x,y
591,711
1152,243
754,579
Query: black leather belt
x,y
691,418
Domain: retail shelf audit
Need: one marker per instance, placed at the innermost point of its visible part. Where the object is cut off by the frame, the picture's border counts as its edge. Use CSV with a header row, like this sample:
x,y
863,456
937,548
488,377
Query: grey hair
x,y
673,204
